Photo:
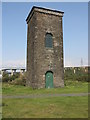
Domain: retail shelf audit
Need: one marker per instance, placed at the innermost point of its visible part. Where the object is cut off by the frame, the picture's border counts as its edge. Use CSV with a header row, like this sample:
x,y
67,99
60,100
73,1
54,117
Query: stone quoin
x,y
45,67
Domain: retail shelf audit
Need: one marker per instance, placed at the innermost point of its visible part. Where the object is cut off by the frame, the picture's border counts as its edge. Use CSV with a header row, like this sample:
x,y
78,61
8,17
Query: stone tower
x,y
45,48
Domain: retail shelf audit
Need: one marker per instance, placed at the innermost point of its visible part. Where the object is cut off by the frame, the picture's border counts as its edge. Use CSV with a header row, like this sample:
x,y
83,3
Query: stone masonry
x,y
39,58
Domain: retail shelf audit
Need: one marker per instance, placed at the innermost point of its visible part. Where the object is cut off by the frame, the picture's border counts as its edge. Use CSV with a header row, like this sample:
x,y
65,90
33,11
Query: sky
x,y
14,32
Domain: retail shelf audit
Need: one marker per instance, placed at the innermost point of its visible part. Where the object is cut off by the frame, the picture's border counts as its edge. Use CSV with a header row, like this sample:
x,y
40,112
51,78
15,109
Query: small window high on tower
x,y
48,40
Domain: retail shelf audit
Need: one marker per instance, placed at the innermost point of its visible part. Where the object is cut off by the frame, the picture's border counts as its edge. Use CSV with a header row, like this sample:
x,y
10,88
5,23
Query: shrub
x,y
78,76
21,80
13,77
5,77
84,78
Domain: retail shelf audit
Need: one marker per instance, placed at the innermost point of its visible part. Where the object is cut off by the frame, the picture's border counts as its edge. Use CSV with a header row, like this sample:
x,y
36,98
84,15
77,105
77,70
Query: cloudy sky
x,y
14,32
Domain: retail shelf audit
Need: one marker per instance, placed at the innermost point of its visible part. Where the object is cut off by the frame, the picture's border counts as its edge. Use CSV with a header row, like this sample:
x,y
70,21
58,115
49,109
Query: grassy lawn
x,y
50,107
56,107
71,87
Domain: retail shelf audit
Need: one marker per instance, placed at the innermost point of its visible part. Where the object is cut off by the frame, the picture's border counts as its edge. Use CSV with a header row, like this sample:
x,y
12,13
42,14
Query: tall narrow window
x,y
48,40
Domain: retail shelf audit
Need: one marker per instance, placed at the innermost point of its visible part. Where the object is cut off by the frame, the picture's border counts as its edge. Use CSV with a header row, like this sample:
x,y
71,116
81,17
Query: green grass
x,y
72,87
56,107
50,107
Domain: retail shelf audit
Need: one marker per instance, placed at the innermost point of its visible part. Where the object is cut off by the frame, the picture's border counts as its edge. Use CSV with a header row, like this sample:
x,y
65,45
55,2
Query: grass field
x,y
71,87
56,107
50,107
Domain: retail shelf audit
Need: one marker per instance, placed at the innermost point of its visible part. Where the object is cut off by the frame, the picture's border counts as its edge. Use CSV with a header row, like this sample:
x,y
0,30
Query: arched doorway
x,y
49,79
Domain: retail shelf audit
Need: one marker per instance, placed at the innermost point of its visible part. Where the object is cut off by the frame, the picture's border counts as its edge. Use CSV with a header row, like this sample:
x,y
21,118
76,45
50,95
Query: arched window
x,y
48,40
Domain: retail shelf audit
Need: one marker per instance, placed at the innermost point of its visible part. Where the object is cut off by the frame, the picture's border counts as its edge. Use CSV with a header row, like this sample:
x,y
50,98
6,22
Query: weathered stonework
x,y
39,58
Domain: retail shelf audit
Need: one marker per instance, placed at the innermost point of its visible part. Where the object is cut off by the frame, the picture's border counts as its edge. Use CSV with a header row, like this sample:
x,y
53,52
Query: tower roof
x,y
44,10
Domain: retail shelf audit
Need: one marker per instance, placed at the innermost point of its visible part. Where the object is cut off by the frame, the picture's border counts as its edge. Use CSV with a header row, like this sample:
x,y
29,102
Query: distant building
x,y
45,48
